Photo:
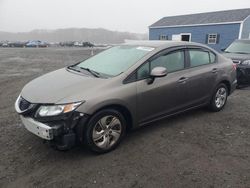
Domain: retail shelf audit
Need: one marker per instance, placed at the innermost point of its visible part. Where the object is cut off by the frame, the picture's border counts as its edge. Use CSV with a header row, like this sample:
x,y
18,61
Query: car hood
x,y
62,86
236,56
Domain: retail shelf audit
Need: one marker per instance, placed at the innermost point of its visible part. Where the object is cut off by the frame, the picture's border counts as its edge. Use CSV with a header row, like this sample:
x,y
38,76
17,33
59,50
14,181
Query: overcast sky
x,y
119,15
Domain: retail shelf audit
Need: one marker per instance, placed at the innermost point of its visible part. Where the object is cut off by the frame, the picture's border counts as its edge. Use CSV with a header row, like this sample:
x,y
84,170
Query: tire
x,y
219,98
104,131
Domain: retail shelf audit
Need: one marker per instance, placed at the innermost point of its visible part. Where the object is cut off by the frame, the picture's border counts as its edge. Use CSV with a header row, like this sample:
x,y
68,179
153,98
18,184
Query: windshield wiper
x,y
94,73
73,68
241,53
78,69
236,52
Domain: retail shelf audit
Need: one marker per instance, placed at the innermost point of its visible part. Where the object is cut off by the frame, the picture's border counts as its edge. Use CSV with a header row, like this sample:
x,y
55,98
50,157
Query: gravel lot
x,y
195,149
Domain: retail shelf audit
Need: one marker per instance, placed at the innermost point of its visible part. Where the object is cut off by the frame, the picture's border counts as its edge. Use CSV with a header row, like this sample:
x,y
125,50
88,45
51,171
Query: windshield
x,y
115,60
239,47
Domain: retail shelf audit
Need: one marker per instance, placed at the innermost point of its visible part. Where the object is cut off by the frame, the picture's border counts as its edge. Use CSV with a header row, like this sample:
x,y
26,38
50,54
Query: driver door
x,y
165,95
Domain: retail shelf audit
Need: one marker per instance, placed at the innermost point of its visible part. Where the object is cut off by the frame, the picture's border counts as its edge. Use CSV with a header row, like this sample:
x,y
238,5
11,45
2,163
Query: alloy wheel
x,y
107,131
220,97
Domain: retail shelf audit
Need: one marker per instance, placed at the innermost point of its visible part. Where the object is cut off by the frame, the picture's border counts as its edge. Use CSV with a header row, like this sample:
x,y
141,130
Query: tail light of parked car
x,y
234,66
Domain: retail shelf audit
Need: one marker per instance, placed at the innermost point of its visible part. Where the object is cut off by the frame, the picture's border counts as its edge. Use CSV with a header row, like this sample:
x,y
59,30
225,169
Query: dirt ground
x,y
195,149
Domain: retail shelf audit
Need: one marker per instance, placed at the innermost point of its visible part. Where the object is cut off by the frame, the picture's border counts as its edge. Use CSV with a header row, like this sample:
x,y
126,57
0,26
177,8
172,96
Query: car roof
x,y
159,43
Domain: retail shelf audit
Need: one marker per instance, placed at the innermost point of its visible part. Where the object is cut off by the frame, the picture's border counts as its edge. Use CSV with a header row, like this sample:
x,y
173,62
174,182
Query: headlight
x,y
246,62
54,110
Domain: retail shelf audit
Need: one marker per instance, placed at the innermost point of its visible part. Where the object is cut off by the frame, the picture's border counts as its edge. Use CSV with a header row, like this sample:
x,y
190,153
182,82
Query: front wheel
x,y
219,98
105,131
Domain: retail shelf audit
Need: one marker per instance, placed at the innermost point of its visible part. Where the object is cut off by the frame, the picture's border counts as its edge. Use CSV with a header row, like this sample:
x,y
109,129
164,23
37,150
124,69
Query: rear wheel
x,y
105,131
219,98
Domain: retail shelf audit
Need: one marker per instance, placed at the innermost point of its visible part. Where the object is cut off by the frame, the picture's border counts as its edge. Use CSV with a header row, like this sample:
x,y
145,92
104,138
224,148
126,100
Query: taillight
x,y
234,66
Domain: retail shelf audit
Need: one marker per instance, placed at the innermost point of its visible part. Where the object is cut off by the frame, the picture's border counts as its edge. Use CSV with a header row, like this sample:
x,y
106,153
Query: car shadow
x,y
134,135
169,122
243,87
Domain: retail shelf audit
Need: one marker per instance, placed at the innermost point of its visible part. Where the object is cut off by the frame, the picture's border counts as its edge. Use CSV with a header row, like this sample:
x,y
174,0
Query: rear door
x,y
202,75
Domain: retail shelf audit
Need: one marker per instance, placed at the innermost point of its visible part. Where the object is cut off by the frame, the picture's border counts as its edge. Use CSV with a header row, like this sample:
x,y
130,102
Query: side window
x,y
143,71
172,62
198,57
212,57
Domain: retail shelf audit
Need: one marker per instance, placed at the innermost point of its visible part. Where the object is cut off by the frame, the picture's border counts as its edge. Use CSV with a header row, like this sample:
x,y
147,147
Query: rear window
x,y
198,58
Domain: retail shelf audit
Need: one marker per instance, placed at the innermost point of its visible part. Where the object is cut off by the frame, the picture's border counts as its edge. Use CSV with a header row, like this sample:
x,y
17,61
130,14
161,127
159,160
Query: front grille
x,y
23,104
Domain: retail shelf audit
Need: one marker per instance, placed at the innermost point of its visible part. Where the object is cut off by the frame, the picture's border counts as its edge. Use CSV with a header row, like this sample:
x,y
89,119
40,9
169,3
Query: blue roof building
x,y
215,29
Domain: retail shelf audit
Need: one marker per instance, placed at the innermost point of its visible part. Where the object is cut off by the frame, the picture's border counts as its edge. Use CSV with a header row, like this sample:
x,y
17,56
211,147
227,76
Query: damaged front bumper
x,y
61,131
62,134
40,129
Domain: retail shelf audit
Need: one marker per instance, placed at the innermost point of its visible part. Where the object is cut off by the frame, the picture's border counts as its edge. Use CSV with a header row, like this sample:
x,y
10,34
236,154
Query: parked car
x,y
5,44
97,100
87,44
67,44
78,44
17,44
239,52
36,43
83,44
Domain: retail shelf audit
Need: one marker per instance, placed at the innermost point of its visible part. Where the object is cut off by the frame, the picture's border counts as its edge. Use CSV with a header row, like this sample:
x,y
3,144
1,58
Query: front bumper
x,y
61,135
243,74
38,128
62,131
233,86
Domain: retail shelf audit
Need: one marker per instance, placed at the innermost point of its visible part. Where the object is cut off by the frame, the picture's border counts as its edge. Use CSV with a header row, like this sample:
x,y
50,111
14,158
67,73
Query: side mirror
x,y
157,72
223,49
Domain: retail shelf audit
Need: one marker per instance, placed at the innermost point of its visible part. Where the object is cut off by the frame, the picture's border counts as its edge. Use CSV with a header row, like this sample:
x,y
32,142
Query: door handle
x,y
214,70
182,80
